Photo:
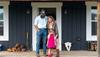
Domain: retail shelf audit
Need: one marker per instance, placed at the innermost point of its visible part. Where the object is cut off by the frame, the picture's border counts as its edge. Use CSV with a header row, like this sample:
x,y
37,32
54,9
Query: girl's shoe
x,y
50,55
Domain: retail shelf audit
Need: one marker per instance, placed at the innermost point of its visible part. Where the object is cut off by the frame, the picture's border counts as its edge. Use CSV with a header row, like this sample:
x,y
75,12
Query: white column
x,y
34,14
59,22
98,29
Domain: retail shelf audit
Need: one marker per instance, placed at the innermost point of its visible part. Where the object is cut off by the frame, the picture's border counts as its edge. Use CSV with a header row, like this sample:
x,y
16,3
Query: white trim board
x,y
89,36
35,6
5,4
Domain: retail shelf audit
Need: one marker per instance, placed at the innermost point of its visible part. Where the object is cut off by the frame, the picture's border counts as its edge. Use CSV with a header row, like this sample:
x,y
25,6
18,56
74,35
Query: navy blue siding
x,y
74,25
19,23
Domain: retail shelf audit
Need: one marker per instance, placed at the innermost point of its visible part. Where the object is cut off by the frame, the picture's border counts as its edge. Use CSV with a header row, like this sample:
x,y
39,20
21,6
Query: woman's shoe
x,y
57,55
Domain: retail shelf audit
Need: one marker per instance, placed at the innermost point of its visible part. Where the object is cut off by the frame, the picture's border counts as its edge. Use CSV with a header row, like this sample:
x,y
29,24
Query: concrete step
x,y
62,54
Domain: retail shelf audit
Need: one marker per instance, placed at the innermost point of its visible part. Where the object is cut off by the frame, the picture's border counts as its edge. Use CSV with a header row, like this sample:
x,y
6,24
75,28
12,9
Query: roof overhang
x,y
48,0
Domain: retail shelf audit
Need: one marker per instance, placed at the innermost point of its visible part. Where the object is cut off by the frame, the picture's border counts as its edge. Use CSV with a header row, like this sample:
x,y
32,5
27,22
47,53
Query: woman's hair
x,y
52,19
54,25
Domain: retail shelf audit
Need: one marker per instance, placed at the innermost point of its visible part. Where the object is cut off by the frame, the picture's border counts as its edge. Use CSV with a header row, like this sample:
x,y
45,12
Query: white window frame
x,y
5,36
89,36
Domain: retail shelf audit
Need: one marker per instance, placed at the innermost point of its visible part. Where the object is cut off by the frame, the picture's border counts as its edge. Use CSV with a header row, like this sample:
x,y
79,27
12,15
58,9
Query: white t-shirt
x,y
41,22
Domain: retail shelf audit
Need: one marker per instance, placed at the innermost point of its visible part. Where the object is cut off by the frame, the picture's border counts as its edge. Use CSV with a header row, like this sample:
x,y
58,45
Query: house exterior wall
x,y
73,24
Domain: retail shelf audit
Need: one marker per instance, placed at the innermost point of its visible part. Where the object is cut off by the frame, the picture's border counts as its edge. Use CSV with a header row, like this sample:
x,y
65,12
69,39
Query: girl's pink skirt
x,y
51,41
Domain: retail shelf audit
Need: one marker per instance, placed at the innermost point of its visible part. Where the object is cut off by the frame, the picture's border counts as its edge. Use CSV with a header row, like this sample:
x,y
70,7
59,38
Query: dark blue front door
x,y
74,25
21,25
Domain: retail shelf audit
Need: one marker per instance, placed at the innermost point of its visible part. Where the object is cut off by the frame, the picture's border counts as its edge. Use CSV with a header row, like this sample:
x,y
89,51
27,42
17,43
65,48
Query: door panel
x,y
20,24
74,26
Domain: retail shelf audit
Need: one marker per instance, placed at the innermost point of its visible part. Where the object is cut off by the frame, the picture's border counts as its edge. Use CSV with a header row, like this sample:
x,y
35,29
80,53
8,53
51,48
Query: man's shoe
x,y
38,56
45,55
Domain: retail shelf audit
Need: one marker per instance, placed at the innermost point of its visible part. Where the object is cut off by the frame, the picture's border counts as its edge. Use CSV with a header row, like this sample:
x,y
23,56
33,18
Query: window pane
x,y
1,28
94,28
1,13
93,12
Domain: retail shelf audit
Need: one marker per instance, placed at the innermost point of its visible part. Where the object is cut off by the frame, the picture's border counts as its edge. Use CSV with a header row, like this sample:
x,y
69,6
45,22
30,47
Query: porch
x,y
20,27
62,54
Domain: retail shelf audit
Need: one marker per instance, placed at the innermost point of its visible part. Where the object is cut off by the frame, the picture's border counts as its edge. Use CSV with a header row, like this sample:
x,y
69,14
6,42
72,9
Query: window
x,y
4,28
1,20
91,21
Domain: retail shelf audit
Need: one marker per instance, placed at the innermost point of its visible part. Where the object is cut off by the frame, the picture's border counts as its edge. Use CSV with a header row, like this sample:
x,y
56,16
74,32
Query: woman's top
x,y
53,27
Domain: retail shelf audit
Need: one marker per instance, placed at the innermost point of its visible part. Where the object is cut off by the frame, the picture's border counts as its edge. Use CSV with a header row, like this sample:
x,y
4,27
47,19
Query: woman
x,y
52,36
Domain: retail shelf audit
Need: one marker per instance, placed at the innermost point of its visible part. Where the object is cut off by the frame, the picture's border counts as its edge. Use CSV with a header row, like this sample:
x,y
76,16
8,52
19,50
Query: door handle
x,y
27,34
27,40
78,38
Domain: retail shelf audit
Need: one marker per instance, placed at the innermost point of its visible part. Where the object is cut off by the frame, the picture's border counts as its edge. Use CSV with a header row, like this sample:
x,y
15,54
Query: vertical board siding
x,y
19,23
74,25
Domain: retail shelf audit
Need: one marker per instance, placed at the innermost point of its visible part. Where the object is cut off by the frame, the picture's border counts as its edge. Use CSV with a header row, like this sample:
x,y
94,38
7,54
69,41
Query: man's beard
x,y
42,16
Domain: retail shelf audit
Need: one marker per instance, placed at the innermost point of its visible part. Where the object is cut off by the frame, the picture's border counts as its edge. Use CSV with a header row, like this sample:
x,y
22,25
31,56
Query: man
x,y
40,25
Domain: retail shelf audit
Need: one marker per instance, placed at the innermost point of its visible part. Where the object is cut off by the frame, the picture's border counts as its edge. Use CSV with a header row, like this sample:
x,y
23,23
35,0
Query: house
x,y
76,22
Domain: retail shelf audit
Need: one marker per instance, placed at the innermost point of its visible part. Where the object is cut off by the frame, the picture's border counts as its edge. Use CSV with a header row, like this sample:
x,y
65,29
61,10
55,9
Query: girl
x,y
52,35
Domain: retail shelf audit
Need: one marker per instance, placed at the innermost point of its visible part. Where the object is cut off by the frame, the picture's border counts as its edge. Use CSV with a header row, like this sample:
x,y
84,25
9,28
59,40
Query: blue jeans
x,y
42,33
